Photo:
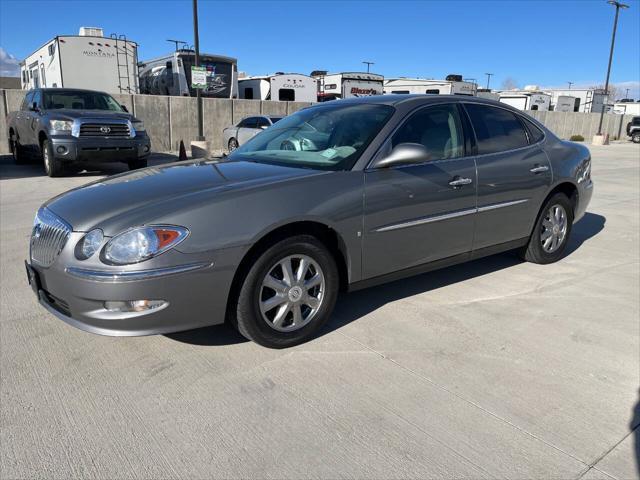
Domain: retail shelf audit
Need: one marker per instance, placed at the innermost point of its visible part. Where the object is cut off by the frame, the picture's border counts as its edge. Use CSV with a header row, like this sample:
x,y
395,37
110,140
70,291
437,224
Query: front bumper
x,y
195,287
72,149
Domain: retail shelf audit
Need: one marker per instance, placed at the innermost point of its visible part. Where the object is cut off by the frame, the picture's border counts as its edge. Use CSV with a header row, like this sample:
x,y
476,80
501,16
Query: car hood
x,y
140,196
74,114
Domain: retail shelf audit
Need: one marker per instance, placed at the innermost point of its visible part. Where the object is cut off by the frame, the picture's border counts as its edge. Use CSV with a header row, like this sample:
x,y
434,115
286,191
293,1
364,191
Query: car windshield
x,y
79,100
330,137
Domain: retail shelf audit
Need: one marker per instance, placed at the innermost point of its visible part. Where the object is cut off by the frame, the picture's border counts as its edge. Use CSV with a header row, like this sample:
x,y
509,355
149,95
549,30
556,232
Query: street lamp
x,y
626,93
369,65
196,63
618,6
489,75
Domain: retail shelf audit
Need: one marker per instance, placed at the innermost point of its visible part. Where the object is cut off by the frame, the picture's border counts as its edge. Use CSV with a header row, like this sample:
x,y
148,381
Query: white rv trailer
x,y
566,103
483,93
334,86
626,108
171,75
585,99
526,100
291,87
88,60
425,86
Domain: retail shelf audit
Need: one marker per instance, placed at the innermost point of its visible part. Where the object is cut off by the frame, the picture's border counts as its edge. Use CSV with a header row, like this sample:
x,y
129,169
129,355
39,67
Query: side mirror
x,y
404,154
124,109
263,127
34,107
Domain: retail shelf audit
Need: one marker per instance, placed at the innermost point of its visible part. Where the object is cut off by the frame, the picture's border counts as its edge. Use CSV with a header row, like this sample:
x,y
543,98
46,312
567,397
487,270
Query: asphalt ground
x,y
493,369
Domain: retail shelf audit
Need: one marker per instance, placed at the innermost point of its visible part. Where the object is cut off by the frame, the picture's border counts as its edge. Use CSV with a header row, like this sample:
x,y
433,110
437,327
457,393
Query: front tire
x,y
551,232
137,164
635,138
288,294
52,166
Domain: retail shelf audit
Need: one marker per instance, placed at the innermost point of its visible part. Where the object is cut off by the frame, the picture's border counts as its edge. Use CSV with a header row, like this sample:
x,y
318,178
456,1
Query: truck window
x,y
26,101
286,95
37,99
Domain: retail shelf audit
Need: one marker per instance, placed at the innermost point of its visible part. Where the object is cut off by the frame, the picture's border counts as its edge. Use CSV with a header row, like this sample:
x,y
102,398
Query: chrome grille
x,y
104,130
48,238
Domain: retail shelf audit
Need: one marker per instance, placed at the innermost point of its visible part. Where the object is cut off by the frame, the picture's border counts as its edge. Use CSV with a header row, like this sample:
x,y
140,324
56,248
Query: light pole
x,y
618,6
570,83
626,93
369,65
196,63
489,75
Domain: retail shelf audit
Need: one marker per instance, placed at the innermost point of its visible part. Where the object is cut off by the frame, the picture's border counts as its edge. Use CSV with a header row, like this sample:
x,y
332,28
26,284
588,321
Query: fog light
x,y
61,149
146,148
134,305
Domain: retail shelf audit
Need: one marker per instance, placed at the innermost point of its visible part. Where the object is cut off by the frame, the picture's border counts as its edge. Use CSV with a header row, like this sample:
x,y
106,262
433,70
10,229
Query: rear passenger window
x,y
497,129
535,134
438,128
251,122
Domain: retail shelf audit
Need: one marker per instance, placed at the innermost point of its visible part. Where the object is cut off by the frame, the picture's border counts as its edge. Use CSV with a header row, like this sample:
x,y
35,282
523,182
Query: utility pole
x,y
369,65
618,6
196,62
570,83
489,75
626,93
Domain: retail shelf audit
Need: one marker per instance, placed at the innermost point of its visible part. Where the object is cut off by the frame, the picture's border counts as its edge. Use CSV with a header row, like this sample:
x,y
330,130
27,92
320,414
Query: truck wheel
x,y
233,144
635,138
52,166
136,164
19,155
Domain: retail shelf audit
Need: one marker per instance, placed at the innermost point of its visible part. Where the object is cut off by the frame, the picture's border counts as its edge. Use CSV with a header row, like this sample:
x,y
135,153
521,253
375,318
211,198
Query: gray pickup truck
x,y
69,127
633,129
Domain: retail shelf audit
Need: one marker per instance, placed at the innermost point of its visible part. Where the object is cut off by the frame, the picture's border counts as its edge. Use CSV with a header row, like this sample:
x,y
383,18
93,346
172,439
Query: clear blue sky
x,y
534,42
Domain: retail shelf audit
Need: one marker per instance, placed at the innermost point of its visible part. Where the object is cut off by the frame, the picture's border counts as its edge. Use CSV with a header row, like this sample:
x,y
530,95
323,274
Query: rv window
x,y
51,49
576,105
438,128
330,86
401,92
287,95
534,107
497,130
248,93
432,91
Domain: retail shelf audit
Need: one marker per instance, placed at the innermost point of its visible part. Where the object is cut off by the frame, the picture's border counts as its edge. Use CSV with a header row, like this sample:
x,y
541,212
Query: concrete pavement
x,y
496,368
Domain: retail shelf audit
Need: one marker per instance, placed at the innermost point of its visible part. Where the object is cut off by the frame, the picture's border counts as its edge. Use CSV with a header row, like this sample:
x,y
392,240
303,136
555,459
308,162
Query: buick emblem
x,y
36,231
105,130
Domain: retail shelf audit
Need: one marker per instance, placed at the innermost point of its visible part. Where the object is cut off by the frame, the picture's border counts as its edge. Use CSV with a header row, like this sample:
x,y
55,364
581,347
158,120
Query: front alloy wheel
x,y
292,293
287,292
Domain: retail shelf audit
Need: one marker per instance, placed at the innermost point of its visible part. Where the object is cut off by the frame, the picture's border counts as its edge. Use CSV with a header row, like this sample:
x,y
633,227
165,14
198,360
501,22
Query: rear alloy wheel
x,y
635,138
233,144
52,166
551,232
288,293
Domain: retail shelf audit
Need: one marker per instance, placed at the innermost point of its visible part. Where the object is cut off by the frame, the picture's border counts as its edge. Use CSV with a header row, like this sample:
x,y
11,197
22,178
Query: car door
x,y
32,117
415,214
513,174
247,129
21,118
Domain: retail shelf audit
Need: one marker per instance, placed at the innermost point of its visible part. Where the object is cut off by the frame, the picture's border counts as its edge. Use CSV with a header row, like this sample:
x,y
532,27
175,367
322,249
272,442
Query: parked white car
x,y
248,127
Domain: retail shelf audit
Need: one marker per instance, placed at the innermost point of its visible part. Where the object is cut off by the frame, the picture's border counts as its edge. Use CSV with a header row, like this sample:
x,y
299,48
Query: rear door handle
x,y
539,169
458,182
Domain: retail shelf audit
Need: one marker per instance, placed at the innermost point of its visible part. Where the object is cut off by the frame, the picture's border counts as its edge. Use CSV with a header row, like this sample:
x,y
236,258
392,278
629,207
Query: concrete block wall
x,y
171,119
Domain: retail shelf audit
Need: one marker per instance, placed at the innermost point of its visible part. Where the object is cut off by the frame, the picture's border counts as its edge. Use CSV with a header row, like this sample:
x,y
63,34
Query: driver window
x,y
438,128
263,122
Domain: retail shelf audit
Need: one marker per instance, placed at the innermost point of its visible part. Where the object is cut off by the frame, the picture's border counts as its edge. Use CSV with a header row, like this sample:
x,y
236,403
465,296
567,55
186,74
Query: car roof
x,y
421,98
55,90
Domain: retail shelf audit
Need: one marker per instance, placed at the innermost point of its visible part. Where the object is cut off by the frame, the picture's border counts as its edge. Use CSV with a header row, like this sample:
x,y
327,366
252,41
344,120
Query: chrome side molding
x,y
110,276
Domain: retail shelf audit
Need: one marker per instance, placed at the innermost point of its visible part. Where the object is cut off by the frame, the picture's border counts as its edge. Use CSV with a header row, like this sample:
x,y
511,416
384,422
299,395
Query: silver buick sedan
x,y
341,195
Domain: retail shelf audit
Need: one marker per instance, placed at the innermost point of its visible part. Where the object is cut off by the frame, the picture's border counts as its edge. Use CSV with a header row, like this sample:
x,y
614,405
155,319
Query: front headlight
x,y
583,173
142,243
89,244
138,126
61,125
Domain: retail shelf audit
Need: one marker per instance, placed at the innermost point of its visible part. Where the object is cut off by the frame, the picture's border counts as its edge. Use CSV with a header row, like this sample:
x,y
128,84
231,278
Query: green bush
x,y
577,138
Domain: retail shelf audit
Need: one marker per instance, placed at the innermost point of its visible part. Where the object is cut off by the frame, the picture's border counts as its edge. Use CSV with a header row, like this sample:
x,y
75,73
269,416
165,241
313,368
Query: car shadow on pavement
x,y
634,426
355,305
34,168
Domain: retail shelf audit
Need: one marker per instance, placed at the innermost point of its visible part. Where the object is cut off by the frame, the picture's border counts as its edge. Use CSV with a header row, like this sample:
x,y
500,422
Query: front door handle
x,y
458,182
539,169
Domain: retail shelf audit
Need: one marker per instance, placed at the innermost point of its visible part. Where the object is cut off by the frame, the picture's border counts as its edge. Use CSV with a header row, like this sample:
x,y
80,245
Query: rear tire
x,y
277,309
635,138
52,166
17,150
551,232
137,164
